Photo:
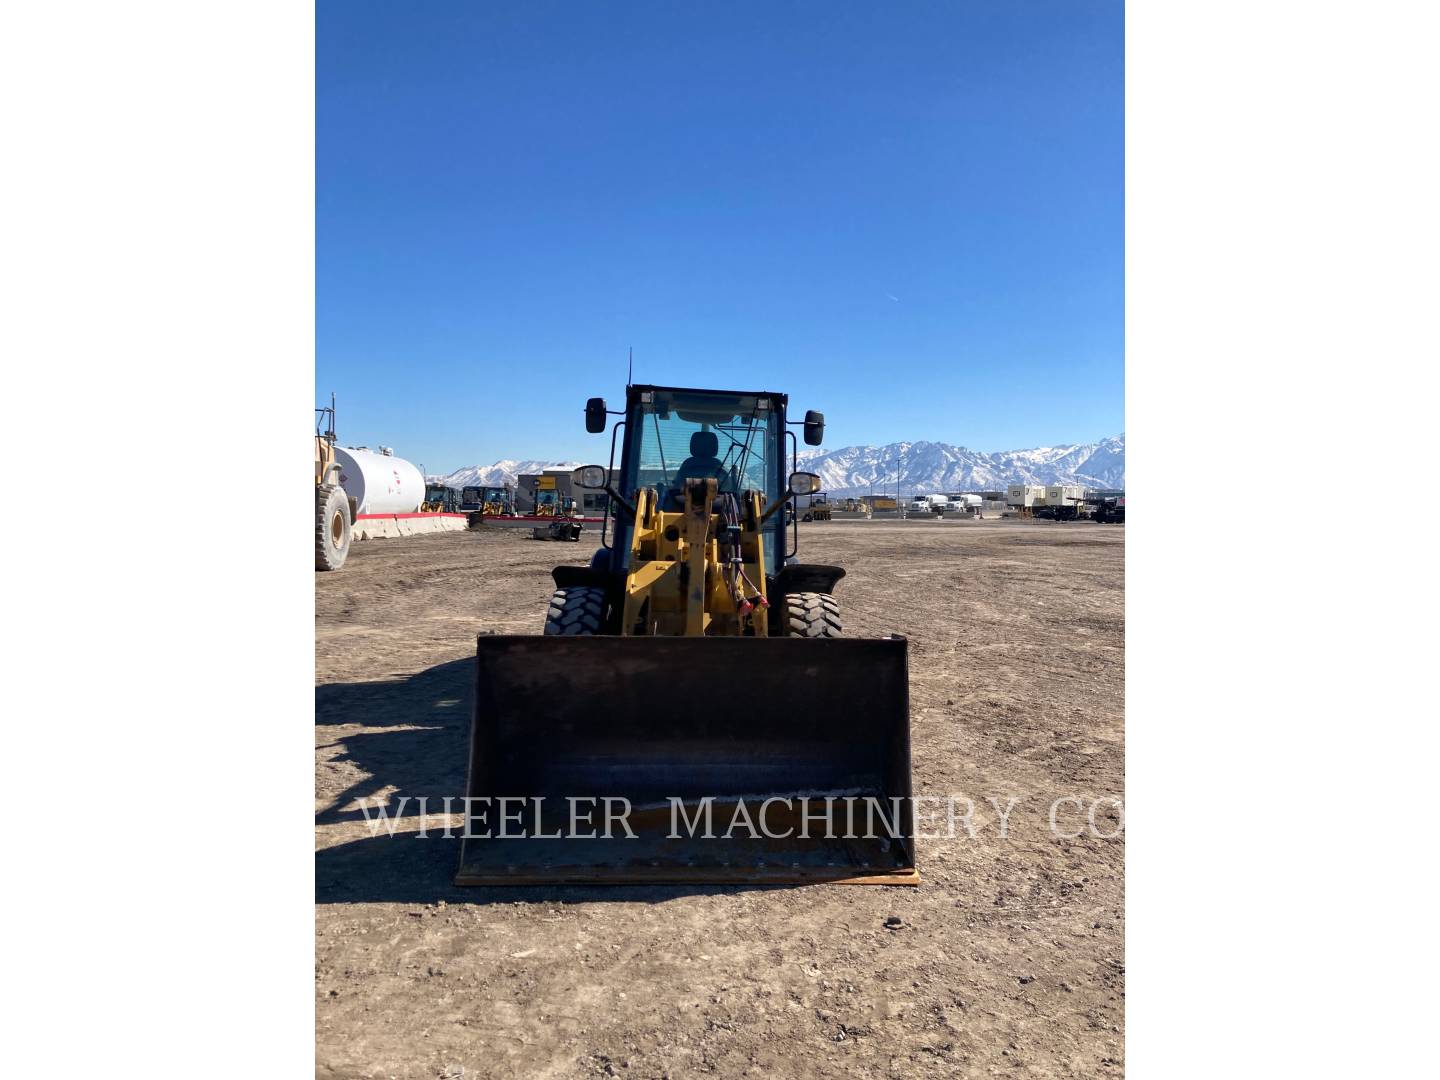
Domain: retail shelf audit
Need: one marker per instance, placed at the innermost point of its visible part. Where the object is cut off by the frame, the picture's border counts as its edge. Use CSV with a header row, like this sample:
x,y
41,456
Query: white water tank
x,y
380,483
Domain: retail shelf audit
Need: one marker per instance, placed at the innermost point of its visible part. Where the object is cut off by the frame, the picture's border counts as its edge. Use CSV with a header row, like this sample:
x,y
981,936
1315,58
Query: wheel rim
x,y
337,528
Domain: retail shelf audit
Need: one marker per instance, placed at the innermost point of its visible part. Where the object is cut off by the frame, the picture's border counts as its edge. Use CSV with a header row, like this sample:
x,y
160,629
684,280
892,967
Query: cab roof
x,y
635,389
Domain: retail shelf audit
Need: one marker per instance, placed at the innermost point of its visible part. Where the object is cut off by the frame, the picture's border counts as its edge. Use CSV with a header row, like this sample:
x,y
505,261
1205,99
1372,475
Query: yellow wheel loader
x,y
691,713
440,499
334,510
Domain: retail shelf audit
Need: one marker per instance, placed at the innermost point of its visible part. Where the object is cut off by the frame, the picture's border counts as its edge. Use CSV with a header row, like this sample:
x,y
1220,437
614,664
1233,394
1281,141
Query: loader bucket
x,y
707,761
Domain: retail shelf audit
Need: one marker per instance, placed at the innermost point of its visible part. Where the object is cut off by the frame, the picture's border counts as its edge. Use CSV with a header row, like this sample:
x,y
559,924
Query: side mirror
x,y
595,416
814,428
590,477
804,483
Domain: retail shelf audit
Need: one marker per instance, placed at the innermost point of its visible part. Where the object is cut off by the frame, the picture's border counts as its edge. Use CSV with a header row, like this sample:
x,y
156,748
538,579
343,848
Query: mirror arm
x,y
620,500
770,510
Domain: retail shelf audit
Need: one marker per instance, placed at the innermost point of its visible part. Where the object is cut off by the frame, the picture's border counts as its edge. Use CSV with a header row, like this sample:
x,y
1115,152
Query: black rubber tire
x,y
576,611
332,527
811,615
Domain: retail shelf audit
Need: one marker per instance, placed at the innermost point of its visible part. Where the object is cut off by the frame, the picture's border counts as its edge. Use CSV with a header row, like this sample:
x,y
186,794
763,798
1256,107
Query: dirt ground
x,y
1008,960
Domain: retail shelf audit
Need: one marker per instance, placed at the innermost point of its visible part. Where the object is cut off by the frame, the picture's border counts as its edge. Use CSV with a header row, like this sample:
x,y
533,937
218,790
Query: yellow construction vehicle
x,y
440,499
482,501
334,511
564,523
819,508
693,673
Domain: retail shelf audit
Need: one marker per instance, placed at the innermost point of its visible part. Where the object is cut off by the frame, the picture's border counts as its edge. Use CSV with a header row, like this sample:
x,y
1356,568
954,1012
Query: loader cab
x,y
499,501
674,434
741,439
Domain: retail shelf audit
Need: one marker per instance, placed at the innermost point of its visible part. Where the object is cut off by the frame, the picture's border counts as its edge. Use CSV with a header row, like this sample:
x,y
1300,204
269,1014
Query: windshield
x,y
681,436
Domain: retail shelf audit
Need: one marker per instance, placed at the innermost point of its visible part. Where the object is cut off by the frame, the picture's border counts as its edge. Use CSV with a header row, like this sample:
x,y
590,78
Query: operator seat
x,y
701,464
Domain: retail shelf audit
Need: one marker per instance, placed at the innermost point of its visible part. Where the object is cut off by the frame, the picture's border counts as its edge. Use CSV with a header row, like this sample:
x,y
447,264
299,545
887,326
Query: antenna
x,y
630,373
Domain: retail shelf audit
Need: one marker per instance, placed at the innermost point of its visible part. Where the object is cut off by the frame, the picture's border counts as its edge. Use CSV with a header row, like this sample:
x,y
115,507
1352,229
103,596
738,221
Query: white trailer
x,y
1064,495
1024,495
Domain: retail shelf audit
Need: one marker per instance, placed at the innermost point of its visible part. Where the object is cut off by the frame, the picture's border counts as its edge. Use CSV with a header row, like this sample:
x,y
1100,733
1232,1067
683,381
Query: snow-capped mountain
x,y
503,471
912,468
930,467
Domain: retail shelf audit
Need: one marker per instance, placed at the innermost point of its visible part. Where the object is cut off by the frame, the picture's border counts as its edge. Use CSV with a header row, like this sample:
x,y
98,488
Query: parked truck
x,y
1107,508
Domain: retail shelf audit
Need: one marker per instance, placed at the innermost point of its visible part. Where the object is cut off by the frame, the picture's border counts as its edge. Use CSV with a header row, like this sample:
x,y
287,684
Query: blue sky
x,y
908,215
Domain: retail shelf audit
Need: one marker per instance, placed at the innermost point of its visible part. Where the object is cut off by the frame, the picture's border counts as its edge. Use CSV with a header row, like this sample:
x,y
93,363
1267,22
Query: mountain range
x,y
906,467
930,467
503,471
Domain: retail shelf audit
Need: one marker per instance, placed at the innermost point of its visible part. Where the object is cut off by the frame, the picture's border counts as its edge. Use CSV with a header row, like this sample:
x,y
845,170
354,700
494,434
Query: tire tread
x,y
812,615
576,611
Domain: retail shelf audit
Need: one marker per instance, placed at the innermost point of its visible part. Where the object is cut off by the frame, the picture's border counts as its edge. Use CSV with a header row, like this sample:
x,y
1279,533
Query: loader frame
x,y
654,684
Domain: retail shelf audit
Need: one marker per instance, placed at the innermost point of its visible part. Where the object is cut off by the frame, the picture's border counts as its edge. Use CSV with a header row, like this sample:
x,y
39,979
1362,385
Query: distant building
x,y
543,492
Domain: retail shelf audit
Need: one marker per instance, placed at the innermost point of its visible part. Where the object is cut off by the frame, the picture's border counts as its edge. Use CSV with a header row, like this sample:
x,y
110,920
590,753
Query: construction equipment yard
x,y
1008,958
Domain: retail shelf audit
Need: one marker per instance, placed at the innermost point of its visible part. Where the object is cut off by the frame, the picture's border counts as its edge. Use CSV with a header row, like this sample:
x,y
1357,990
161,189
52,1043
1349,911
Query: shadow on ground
x,y
433,696
414,739
425,757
